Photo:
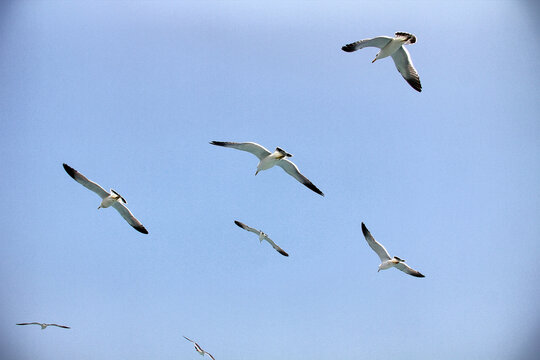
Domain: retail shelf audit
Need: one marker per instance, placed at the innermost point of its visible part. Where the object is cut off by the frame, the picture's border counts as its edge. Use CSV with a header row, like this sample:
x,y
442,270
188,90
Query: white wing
x,y
189,340
408,270
404,64
278,249
292,170
60,326
245,227
258,150
126,214
207,353
378,42
81,179
378,248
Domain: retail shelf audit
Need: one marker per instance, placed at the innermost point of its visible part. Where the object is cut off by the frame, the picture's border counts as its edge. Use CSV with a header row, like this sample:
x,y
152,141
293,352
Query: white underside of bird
x,y
199,349
392,47
269,159
111,198
44,325
387,261
262,236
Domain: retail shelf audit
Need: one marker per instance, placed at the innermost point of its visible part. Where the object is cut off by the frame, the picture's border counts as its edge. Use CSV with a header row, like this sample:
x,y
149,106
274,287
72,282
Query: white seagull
x,y
262,236
108,198
386,261
43,326
392,47
199,349
268,160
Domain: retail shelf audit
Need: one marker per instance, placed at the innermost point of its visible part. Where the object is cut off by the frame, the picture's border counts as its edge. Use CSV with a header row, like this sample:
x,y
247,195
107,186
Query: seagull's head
x,y
261,236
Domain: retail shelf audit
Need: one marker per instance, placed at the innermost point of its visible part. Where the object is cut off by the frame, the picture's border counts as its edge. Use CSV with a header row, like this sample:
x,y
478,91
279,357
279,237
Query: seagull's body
x,y
111,198
392,47
387,262
43,325
262,236
268,159
199,349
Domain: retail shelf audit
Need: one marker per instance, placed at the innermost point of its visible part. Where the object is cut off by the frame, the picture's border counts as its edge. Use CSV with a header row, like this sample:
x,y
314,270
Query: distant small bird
x,y
392,47
262,236
386,261
111,198
268,160
43,326
199,349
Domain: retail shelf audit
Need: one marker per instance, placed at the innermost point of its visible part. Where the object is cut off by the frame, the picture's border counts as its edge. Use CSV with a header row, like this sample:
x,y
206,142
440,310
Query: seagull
x,y
43,326
108,198
392,47
386,261
268,160
199,349
262,236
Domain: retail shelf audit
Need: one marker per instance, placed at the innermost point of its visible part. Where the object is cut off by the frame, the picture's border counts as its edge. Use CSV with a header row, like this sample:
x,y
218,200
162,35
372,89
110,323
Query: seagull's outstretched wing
x,y
60,326
245,227
126,214
258,150
81,179
189,340
277,248
379,42
207,353
404,64
292,170
408,270
378,248
32,323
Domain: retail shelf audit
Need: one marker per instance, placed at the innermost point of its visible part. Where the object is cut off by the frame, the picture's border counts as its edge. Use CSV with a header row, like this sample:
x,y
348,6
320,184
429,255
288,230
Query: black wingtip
x,y
348,47
141,229
418,275
313,188
415,84
365,231
239,223
218,143
283,253
71,171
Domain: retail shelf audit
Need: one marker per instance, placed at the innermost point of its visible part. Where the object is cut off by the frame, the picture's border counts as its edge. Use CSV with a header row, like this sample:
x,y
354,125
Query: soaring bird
x,y
262,236
392,47
386,261
43,326
199,349
111,198
268,160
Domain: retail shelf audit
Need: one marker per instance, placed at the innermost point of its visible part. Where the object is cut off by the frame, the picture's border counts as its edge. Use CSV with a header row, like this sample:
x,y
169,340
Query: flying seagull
x,y
199,349
268,160
392,47
262,236
386,261
43,326
108,198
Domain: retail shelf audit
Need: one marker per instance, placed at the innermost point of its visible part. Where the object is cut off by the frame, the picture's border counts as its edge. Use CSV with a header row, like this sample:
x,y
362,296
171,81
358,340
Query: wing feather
x,y
277,248
377,247
258,150
245,227
378,42
128,216
403,62
408,270
291,169
81,179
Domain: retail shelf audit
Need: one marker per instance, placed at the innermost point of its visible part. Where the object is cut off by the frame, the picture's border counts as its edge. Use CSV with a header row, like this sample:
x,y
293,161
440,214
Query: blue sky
x,y
130,94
